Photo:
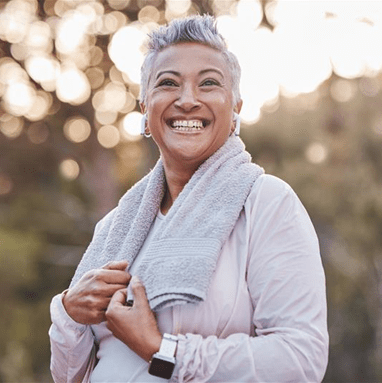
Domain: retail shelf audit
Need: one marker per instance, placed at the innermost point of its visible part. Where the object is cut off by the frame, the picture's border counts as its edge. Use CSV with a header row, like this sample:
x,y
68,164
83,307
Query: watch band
x,y
163,362
168,345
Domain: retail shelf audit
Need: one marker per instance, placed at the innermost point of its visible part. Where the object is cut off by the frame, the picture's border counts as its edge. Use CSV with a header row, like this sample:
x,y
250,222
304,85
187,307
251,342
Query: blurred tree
x,y
331,155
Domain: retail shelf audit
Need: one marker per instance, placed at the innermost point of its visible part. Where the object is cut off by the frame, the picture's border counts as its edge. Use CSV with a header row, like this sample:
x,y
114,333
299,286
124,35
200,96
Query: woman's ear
x,y
236,120
238,106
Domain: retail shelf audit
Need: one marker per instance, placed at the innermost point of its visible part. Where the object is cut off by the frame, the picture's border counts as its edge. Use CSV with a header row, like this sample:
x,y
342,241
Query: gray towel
x,y
182,256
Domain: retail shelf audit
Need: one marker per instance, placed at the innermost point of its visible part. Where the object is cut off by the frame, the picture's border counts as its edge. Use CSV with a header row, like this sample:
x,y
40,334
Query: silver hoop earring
x,y
236,119
143,126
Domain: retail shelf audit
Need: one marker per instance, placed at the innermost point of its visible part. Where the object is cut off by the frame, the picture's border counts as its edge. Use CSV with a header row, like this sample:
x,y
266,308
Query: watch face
x,y
161,368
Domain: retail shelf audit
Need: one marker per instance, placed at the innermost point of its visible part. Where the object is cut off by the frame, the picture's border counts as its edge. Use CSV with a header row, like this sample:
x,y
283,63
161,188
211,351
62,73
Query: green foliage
x,y
18,251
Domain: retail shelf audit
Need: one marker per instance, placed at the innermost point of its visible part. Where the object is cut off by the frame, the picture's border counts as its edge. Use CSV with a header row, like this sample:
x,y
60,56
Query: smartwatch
x,y
163,362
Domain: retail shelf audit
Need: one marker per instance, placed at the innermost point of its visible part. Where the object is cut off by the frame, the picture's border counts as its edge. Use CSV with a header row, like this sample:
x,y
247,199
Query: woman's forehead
x,y
185,58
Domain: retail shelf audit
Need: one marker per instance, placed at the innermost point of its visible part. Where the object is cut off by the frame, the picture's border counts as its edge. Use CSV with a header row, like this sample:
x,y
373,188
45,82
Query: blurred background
x,y
70,147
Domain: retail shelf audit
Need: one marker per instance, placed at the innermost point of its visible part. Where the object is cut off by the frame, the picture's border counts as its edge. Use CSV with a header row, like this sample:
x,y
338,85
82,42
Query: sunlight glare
x,y
125,41
250,13
132,126
256,56
72,28
346,42
303,62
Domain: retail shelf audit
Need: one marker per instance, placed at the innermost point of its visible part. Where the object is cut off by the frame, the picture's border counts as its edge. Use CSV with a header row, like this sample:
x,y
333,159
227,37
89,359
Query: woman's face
x,y
189,103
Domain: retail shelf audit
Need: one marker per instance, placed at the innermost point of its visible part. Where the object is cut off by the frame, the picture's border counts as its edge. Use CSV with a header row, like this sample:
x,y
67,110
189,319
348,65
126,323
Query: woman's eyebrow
x,y
167,71
219,72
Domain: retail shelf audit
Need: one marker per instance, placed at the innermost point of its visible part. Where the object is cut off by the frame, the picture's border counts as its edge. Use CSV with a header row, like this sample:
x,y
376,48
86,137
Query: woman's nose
x,y
188,99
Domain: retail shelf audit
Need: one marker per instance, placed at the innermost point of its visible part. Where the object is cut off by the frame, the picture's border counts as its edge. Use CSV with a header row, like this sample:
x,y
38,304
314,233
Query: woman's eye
x,y
210,82
167,82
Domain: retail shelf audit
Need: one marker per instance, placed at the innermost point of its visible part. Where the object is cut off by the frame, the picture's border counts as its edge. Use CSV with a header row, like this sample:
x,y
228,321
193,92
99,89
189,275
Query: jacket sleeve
x,y
73,352
72,346
286,282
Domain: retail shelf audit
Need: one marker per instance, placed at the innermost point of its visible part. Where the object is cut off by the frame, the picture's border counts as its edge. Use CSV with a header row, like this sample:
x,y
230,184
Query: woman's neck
x,y
176,179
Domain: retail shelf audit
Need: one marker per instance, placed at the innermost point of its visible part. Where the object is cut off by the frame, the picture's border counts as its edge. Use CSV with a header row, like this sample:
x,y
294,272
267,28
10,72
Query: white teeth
x,y
186,125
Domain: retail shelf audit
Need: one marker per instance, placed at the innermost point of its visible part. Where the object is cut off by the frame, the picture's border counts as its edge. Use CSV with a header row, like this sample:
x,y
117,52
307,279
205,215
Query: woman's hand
x,y
135,326
87,301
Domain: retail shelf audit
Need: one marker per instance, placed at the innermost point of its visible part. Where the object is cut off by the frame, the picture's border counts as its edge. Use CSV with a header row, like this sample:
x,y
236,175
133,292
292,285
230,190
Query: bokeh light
x,y
125,41
6,184
40,106
132,126
19,98
175,8
44,70
15,20
73,86
148,14
95,76
77,129
38,133
118,4
316,153
112,98
106,117
108,136
39,38
69,169
343,90
69,90
302,46
72,28
11,126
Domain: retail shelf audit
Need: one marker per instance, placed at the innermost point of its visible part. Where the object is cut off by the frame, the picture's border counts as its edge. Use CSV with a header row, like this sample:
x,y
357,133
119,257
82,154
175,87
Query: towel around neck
x,y
182,256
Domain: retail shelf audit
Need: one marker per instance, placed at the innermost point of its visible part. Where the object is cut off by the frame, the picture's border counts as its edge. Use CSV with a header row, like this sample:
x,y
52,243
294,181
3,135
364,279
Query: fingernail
x,y
135,279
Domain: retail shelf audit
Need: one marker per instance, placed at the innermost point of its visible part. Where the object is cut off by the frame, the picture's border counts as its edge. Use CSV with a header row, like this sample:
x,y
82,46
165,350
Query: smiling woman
x,y
189,105
208,269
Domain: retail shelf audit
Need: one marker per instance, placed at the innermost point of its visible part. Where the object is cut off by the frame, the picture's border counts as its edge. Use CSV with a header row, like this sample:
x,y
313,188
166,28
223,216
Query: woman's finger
x,y
115,265
139,292
119,298
111,289
114,276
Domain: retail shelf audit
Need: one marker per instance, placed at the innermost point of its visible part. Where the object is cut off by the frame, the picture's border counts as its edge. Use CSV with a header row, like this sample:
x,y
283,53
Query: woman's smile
x,y
187,126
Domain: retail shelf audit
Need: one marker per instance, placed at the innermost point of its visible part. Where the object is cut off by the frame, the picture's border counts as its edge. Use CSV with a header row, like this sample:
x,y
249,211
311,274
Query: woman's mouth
x,y
187,125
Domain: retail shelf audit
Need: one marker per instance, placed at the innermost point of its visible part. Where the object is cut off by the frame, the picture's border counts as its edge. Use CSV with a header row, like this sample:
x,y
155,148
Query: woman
x,y
227,283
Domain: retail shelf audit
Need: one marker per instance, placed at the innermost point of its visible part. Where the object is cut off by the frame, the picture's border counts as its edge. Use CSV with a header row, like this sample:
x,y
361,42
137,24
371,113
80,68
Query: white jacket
x,y
264,319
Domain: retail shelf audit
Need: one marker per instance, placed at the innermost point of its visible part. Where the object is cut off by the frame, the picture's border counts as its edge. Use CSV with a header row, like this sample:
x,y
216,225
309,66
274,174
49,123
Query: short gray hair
x,y
197,29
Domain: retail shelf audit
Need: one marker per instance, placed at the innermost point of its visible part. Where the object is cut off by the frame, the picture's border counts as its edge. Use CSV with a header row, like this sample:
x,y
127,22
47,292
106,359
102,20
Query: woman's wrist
x,y
154,348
